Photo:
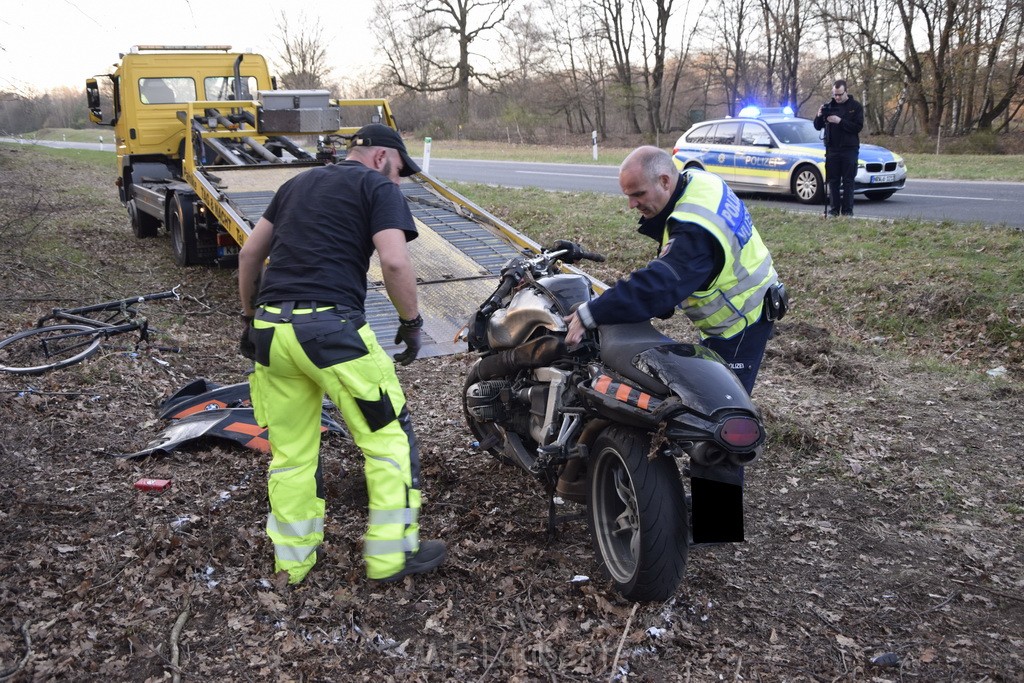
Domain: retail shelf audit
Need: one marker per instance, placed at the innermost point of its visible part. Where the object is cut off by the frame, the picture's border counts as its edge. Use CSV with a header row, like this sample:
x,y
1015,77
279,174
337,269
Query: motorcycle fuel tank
x,y
533,308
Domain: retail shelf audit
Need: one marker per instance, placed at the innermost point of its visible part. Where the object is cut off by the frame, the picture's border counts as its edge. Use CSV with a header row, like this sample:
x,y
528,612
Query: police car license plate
x,y
888,178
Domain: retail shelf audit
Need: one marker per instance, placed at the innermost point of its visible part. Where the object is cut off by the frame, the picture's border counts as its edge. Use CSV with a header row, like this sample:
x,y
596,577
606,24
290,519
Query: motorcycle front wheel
x,y
637,515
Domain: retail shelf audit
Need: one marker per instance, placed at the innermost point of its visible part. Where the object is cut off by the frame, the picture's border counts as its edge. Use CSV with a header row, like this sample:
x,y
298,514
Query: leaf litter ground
x,y
883,542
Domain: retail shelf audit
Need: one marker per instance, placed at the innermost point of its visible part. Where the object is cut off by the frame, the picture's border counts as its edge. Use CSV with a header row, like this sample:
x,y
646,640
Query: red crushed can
x,y
152,484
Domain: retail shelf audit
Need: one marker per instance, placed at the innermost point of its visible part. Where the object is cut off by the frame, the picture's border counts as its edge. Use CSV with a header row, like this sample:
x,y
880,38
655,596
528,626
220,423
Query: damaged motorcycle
x,y
649,434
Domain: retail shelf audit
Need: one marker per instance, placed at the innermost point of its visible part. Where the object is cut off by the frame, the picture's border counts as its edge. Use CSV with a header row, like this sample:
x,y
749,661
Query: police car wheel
x,y
808,186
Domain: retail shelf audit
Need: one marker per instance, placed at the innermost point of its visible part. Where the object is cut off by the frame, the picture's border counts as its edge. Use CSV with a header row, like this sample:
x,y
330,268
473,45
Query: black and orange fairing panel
x,y
201,395
232,424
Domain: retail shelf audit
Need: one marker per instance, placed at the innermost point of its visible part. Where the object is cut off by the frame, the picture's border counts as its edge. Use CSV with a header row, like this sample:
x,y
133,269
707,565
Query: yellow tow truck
x,y
204,138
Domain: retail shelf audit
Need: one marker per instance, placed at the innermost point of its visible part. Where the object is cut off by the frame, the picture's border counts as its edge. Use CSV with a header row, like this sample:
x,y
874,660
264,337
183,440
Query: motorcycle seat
x,y
620,344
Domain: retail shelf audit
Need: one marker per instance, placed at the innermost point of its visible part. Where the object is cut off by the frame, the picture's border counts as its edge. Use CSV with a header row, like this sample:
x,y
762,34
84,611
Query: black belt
x,y
285,311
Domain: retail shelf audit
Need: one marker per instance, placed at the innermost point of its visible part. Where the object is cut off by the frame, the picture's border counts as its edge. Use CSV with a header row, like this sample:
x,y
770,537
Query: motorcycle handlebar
x,y
570,252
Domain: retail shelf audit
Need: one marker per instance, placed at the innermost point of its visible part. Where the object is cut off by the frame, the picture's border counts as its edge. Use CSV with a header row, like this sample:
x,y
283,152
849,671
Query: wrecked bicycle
x,y
66,336
623,423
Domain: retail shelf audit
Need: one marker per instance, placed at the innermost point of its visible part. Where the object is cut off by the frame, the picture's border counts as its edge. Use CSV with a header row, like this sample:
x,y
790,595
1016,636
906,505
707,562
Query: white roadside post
x,y
101,143
594,137
426,155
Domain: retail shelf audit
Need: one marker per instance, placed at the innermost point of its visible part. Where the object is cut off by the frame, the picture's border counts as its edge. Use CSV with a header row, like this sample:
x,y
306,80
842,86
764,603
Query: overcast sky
x,y
45,44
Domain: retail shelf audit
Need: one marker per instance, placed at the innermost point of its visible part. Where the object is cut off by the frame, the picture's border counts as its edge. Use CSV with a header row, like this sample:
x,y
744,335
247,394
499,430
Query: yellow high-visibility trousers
x,y
300,357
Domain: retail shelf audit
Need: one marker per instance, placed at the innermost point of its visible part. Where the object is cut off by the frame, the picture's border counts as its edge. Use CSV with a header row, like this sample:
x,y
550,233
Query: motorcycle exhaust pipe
x,y
532,354
742,459
706,453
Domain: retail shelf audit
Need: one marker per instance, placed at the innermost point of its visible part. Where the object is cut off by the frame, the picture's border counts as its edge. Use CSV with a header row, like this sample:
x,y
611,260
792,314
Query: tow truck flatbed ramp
x,y
457,259
457,256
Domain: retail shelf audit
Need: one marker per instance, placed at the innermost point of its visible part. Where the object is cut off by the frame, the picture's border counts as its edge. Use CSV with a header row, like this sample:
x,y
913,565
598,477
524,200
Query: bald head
x,y
651,162
648,178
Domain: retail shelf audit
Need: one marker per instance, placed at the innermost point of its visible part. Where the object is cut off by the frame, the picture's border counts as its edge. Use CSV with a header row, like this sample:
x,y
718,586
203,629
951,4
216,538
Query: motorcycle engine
x,y
530,407
488,401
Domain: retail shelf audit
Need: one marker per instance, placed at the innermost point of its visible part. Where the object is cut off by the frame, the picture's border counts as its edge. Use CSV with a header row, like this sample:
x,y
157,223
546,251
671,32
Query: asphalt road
x,y
958,201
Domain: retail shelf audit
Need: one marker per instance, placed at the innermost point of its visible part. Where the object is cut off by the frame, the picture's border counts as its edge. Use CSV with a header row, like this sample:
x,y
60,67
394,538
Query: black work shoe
x,y
430,555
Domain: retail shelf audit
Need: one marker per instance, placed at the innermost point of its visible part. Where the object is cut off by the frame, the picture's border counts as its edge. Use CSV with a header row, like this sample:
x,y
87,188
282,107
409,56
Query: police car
x,y
771,150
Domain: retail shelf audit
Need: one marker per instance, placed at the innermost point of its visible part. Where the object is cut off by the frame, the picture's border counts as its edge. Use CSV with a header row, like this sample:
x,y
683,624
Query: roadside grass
x,y
984,167
989,167
82,208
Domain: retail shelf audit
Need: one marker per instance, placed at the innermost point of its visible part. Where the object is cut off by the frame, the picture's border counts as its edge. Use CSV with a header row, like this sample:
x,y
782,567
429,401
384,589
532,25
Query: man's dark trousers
x,y
840,170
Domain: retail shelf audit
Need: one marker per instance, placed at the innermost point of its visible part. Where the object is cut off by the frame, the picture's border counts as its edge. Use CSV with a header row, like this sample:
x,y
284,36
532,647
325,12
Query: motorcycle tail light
x,y
740,432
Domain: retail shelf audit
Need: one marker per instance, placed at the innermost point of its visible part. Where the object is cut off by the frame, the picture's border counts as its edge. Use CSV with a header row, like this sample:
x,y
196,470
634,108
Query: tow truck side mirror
x,y
92,96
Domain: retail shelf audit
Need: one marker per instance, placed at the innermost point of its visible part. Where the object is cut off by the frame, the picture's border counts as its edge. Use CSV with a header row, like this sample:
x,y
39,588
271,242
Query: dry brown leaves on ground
x,y
883,521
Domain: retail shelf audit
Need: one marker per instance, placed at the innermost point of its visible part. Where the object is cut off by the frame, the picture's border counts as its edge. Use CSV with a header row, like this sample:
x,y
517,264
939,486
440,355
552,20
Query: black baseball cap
x,y
379,135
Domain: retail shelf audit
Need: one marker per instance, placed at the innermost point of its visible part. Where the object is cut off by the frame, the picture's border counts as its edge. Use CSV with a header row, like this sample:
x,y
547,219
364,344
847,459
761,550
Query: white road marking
x,y
571,175
945,196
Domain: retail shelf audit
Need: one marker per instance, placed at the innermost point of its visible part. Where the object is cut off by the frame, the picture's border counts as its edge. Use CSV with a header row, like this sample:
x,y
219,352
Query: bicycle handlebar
x,y
172,293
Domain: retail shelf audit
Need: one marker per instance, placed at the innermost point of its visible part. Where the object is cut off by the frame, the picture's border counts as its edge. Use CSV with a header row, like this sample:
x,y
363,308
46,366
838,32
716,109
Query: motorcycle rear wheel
x,y
637,515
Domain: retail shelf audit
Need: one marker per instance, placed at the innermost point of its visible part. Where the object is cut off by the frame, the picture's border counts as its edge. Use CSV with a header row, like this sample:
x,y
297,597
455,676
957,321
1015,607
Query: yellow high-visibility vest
x,y
736,296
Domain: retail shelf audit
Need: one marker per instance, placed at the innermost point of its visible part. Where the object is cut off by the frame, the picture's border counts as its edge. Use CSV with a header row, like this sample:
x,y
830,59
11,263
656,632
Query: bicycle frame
x,y
123,307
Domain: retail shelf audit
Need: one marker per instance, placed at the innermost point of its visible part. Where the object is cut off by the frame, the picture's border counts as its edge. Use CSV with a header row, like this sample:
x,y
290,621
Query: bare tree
x,y
303,52
785,29
578,65
999,78
619,31
734,26
659,82
65,108
413,23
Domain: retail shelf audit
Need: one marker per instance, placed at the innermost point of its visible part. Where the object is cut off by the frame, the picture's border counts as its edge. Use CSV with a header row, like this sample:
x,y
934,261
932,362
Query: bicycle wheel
x,y
35,351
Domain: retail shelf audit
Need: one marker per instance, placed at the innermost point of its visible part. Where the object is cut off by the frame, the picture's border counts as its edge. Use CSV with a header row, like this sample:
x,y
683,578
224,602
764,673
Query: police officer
x,y
842,120
308,336
712,263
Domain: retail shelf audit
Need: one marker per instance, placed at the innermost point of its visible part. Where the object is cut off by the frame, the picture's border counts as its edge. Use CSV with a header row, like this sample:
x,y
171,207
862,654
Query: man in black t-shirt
x,y
307,334
842,119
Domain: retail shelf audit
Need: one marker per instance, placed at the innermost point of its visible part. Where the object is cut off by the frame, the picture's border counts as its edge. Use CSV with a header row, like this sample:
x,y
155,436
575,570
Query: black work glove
x,y
409,331
246,347
573,251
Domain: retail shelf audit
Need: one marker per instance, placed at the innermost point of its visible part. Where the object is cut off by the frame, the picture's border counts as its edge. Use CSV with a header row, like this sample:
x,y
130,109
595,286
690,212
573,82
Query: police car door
x,y
757,163
719,158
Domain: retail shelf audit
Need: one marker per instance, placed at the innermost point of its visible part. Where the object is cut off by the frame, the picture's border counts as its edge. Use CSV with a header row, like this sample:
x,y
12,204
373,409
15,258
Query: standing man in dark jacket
x,y
308,335
842,120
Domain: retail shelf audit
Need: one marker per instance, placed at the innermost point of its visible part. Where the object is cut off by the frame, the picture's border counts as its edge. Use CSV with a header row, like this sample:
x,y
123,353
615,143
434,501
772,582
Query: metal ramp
x,y
457,260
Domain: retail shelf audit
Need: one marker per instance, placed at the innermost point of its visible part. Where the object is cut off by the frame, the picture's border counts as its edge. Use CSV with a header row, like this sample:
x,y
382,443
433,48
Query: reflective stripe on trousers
x,y
287,396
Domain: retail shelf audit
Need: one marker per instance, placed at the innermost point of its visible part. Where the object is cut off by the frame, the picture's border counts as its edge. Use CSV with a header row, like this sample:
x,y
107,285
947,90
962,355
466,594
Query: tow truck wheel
x,y
808,185
183,231
143,225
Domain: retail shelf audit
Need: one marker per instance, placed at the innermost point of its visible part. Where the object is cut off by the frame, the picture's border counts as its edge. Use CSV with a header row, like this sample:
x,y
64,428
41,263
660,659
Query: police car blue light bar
x,y
752,111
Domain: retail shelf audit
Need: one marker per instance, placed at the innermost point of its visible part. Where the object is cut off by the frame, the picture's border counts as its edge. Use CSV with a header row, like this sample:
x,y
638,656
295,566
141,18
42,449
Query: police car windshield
x,y
795,131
